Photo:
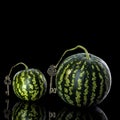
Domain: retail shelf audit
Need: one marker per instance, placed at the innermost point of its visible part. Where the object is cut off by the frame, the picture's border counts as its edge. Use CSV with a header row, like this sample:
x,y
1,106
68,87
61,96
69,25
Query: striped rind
x,y
29,84
83,82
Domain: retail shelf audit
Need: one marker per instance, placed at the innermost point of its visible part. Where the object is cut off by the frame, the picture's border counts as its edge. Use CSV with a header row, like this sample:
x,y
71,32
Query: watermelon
x,y
75,114
28,84
83,80
28,111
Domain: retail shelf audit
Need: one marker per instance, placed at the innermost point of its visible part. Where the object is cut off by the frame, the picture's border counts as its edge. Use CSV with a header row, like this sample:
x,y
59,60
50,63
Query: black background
x,y
40,42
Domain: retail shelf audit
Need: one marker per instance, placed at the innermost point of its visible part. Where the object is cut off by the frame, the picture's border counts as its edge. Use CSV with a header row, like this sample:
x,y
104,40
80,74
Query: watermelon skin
x,y
95,113
83,82
28,111
29,84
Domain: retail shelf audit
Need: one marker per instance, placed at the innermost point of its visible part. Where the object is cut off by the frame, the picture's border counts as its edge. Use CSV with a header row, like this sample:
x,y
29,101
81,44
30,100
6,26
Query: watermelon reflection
x,y
28,111
95,113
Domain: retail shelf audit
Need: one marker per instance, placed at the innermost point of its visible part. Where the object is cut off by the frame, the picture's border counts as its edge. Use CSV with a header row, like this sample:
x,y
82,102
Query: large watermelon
x,y
28,111
83,80
29,84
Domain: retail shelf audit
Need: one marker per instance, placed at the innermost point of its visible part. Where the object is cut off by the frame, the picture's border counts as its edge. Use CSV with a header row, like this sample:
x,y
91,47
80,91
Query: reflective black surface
x,y
50,108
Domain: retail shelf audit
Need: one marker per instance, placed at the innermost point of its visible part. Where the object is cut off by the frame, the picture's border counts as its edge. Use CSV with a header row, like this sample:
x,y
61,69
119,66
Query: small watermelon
x,y
29,84
77,114
83,80
28,111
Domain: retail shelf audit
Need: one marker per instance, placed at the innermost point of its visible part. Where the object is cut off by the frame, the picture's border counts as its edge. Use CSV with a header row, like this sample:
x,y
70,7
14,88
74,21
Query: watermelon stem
x,y
78,46
7,80
20,63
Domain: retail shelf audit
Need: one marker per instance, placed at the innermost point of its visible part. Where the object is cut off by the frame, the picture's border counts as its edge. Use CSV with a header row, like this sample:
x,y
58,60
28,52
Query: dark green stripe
x,y
43,83
83,96
25,82
79,77
35,91
75,93
39,83
106,75
18,87
97,69
94,86
102,82
86,85
89,77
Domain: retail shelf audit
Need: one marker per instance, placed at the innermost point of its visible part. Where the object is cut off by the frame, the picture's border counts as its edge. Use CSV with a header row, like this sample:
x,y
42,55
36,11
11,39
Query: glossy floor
x,y
51,107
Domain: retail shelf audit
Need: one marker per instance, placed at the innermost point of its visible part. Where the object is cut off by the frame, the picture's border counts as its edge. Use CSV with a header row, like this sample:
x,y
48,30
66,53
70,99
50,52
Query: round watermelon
x,y
29,84
28,111
75,114
83,81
